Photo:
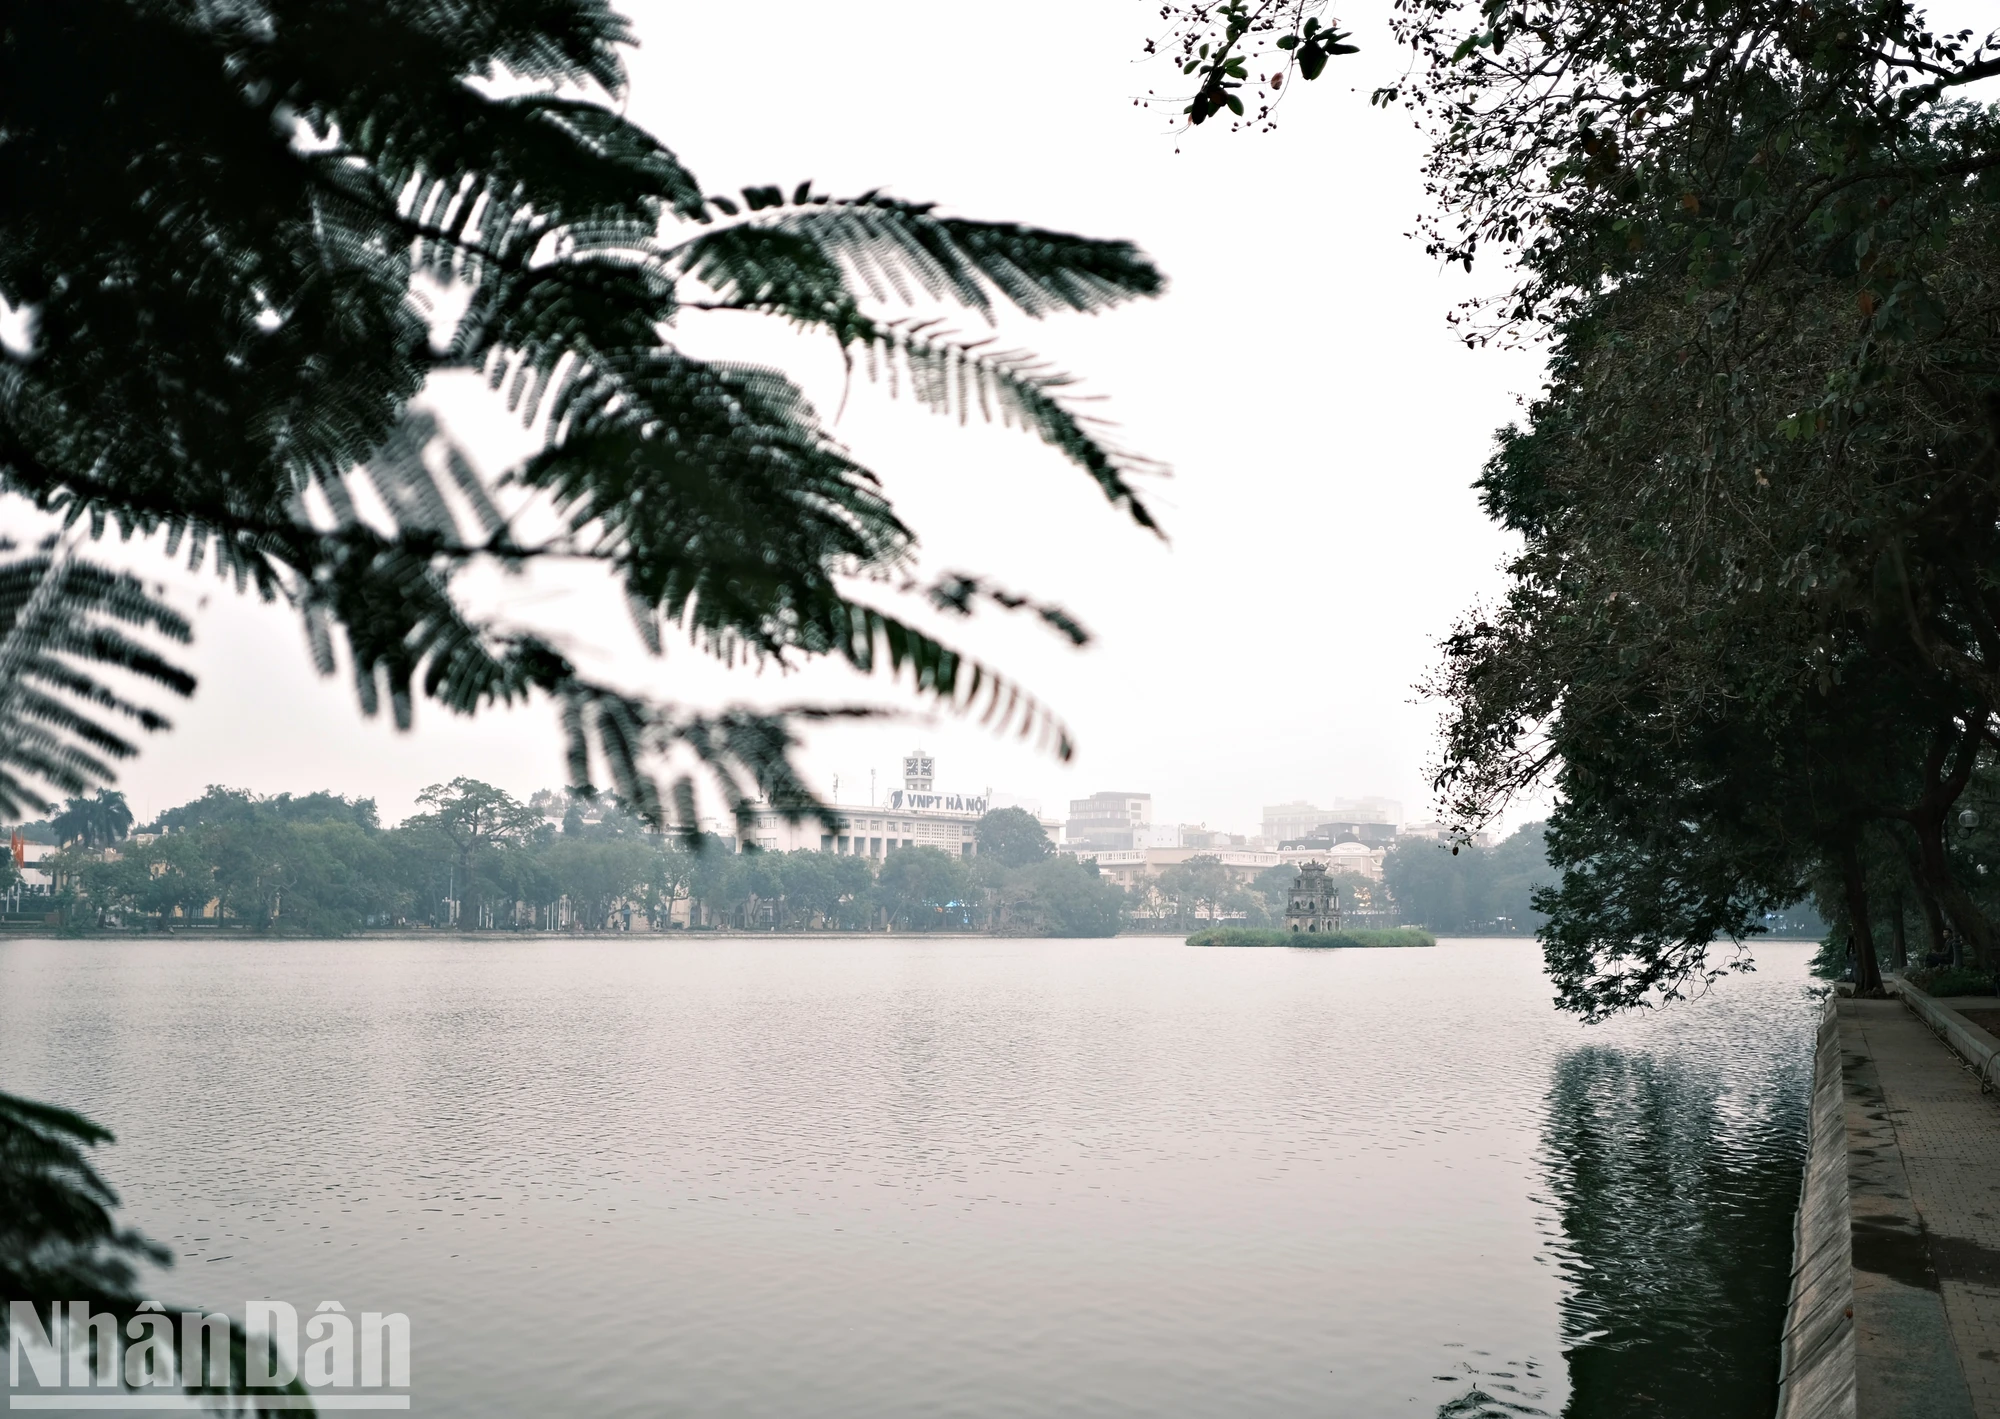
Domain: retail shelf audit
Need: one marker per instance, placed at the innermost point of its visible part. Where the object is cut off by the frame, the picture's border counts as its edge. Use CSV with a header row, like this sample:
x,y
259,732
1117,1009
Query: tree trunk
x,y
1948,768
1867,970
1927,902
1899,936
1964,913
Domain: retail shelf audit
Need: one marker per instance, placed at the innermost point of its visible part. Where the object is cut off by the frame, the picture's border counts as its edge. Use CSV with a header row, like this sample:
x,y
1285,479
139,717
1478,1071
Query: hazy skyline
x,y
1322,421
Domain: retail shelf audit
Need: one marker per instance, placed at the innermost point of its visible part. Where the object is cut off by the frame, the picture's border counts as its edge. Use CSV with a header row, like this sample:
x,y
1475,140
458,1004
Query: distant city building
x,y
1110,821
1199,835
1289,822
915,816
1344,845
1439,832
1296,819
1129,867
35,876
1357,858
1194,835
1375,834
1367,810
1313,906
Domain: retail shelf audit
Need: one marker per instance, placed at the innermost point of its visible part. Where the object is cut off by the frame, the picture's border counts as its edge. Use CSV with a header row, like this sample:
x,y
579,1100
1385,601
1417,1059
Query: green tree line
x,y
1473,891
477,859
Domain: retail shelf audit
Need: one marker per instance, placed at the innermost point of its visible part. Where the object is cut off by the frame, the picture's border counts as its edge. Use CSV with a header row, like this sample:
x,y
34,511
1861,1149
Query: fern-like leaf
x,y
897,250
63,622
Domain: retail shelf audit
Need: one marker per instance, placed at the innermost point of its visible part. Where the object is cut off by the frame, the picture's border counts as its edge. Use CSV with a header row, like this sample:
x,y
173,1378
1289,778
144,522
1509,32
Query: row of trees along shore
x,y
476,858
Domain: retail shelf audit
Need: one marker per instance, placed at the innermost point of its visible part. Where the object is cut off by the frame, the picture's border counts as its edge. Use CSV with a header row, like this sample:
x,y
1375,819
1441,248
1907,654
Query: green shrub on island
x,y
1278,936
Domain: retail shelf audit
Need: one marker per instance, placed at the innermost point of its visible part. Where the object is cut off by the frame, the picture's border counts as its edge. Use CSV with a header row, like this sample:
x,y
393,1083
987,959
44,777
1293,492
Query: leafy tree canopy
x,y
1477,891
1752,627
921,883
95,820
1013,837
236,805
1069,898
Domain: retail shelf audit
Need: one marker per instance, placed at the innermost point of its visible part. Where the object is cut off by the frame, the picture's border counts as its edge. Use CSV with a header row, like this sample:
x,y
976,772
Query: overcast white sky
x,y
1322,424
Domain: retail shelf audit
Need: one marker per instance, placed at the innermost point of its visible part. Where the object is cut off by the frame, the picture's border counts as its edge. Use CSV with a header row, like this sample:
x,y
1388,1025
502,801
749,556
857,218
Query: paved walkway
x,y
1924,1182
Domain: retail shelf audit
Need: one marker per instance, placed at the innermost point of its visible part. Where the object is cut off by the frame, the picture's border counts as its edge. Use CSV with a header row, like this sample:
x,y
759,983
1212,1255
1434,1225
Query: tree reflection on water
x,y
1673,1182
1672,1179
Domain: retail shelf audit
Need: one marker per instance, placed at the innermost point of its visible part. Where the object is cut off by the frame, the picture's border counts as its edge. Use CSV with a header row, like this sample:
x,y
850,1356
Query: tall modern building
x,y
1297,819
1287,822
1111,821
1366,810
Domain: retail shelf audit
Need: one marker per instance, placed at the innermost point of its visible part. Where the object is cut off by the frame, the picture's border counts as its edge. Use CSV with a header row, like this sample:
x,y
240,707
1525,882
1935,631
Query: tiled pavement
x,y
1946,1138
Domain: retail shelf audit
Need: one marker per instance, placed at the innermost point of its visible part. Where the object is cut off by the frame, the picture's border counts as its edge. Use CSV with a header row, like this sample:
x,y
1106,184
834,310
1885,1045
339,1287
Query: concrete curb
x,y
1816,1360
1970,1043
1867,1331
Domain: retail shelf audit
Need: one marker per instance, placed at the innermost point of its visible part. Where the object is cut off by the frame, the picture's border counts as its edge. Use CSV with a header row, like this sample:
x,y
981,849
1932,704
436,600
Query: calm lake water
x,y
987,1178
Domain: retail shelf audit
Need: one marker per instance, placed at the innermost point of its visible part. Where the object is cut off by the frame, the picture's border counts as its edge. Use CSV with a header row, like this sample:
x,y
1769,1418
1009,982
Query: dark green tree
x,y
1273,887
919,885
1196,888
814,888
1752,624
95,820
1068,897
598,877
474,817
1476,891
1013,837
236,805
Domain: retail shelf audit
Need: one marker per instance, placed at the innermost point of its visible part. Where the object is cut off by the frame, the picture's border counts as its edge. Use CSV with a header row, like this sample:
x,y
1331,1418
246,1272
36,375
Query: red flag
x,y
19,847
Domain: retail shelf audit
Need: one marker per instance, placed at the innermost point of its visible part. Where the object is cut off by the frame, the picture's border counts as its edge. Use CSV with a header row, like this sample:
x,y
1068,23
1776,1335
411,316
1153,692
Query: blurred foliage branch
x,y
244,238
66,621
60,1245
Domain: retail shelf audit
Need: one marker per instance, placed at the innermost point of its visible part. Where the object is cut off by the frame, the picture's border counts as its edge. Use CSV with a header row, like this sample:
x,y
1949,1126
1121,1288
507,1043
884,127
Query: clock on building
x,y
917,772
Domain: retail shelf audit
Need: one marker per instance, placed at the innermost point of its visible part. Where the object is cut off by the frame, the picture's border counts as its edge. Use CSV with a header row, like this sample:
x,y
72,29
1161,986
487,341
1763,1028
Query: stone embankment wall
x,y
1817,1368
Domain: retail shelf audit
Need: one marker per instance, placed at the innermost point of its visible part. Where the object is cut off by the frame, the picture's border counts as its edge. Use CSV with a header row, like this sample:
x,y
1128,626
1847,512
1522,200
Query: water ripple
x,y
887,1178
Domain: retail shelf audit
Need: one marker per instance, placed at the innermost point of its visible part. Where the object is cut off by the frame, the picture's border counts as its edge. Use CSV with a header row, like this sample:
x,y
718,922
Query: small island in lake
x,y
1312,918
1277,936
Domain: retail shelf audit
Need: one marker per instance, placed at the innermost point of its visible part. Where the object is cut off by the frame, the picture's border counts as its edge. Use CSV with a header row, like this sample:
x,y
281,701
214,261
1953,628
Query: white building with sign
x,y
915,815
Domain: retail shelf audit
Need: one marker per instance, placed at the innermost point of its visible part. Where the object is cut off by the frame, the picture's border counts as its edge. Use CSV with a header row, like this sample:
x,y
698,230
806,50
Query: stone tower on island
x,y
1313,906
